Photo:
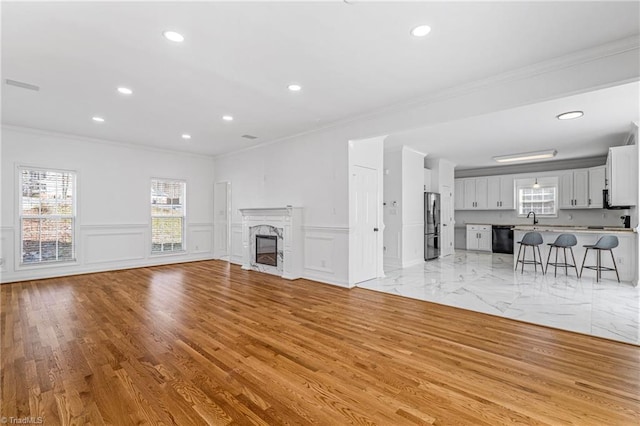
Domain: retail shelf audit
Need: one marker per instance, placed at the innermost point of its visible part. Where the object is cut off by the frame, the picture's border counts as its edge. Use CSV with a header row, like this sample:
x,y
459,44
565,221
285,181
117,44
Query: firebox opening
x,y
267,250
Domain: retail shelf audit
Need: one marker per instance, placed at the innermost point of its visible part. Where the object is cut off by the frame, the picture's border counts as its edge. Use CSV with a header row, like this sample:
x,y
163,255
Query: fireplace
x,y
267,250
272,241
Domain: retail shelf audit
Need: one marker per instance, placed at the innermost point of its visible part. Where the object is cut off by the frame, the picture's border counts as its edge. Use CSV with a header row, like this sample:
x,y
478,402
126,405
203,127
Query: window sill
x,y
54,264
169,253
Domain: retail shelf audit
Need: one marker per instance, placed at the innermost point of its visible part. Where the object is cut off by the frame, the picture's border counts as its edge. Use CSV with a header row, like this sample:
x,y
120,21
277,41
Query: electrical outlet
x,y
620,260
1,261
323,263
197,248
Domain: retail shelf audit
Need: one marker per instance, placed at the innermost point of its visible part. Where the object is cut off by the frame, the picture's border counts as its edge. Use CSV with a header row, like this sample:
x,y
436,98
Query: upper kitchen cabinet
x,y
596,185
622,175
458,192
475,193
500,193
574,189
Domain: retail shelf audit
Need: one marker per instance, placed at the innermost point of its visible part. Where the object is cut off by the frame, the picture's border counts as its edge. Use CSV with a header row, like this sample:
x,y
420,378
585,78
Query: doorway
x,y
365,192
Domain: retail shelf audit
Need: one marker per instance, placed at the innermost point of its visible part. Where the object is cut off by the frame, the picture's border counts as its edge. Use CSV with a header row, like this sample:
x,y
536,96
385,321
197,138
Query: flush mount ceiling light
x,y
227,118
173,36
526,156
186,136
571,115
125,90
421,31
295,87
98,119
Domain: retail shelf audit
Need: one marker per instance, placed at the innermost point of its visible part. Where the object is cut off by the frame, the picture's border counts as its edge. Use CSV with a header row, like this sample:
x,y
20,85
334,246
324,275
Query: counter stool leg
x,y
585,258
575,265
524,255
599,263
614,264
518,258
540,257
549,257
566,266
535,263
555,267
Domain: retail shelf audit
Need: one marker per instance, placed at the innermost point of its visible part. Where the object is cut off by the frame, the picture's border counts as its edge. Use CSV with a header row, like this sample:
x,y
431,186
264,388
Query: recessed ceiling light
x,y
227,118
173,36
98,119
186,136
570,115
295,87
125,90
421,31
527,156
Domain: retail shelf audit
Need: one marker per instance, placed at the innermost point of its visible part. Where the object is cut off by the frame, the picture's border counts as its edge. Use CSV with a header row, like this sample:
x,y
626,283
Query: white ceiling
x,y
238,59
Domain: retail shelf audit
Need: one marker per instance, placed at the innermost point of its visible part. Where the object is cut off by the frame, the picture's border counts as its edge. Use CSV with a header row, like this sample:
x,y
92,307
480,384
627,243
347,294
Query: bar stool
x,y
533,240
563,242
607,242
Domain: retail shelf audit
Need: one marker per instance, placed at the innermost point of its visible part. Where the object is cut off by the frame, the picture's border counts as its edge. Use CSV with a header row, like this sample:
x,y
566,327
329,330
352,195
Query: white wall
x,y
113,212
309,171
393,207
413,203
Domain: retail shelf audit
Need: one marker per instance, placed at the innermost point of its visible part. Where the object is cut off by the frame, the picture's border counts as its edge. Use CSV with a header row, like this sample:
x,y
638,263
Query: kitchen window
x,y
168,214
542,199
47,214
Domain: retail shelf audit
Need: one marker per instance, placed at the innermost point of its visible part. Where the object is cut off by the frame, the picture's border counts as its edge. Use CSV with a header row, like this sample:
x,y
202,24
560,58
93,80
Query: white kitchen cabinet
x,y
622,175
475,193
500,192
574,189
479,237
596,185
458,193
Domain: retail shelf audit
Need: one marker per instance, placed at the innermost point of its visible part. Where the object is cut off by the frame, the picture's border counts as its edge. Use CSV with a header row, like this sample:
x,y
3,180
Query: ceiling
x,y
350,59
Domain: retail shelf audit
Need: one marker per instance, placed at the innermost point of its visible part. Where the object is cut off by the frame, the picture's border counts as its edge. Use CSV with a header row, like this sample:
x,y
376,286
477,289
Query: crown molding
x,y
128,145
583,56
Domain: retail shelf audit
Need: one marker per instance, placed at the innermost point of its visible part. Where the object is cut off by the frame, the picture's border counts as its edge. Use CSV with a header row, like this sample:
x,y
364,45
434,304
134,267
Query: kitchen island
x,y
625,254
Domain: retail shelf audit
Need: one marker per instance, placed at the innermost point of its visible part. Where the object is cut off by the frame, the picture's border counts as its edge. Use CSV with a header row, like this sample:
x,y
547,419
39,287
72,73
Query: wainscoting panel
x,y
326,254
6,248
117,244
236,243
200,238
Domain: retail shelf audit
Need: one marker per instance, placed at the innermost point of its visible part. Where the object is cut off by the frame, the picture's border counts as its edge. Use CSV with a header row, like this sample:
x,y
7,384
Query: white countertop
x,y
580,229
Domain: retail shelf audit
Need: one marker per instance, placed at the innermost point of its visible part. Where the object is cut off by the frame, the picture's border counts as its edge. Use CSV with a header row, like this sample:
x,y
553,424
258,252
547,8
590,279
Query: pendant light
x,y
536,185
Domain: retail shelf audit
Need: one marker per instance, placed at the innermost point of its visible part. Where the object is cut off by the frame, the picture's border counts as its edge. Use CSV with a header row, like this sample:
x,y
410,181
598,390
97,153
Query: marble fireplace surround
x,y
283,222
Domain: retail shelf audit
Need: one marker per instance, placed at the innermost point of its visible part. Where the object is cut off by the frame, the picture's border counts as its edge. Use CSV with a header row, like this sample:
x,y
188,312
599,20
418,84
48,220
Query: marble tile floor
x,y
486,282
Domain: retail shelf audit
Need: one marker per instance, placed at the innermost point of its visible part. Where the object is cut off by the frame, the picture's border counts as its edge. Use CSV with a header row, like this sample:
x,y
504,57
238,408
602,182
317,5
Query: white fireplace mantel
x,y
287,219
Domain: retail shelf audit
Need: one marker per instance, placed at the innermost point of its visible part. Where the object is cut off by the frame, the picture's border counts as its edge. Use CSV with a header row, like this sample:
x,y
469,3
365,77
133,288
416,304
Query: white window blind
x,y
47,215
168,213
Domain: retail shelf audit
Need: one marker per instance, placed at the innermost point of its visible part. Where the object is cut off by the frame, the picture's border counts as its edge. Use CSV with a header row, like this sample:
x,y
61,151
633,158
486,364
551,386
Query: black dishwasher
x,y
502,239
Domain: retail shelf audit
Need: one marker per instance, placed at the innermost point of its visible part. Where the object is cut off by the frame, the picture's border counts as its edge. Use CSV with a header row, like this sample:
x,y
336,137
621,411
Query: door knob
x,y
375,229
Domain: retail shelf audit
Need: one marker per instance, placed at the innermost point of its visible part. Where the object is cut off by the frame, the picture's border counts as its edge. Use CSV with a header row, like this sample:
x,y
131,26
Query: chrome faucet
x,y
534,217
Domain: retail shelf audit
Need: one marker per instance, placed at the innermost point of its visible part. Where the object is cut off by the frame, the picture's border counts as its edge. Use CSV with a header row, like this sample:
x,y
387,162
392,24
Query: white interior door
x,y
222,219
366,223
446,216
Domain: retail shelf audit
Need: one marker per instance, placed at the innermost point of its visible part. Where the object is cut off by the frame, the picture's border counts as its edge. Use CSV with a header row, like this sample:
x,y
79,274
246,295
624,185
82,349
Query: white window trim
x,y
17,261
544,182
182,251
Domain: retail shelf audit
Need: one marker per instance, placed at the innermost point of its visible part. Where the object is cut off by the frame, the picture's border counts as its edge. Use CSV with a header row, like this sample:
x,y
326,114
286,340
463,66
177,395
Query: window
x,y
543,201
167,215
47,215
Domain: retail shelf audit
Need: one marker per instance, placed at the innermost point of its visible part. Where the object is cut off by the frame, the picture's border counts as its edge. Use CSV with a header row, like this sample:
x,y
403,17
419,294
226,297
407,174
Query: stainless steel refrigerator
x,y
431,225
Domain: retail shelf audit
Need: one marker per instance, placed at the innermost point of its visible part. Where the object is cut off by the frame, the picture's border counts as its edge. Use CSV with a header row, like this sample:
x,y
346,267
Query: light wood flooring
x,y
208,343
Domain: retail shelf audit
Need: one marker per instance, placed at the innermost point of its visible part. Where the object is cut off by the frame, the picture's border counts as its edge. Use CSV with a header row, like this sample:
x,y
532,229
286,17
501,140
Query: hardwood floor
x,y
208,343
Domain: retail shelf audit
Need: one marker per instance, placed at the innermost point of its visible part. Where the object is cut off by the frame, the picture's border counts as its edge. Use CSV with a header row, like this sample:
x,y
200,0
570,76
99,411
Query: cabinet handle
x,y
589,201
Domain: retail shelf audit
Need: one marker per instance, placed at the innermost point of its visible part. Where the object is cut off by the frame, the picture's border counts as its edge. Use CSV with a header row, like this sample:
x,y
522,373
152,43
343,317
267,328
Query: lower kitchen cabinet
x,y
479,237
